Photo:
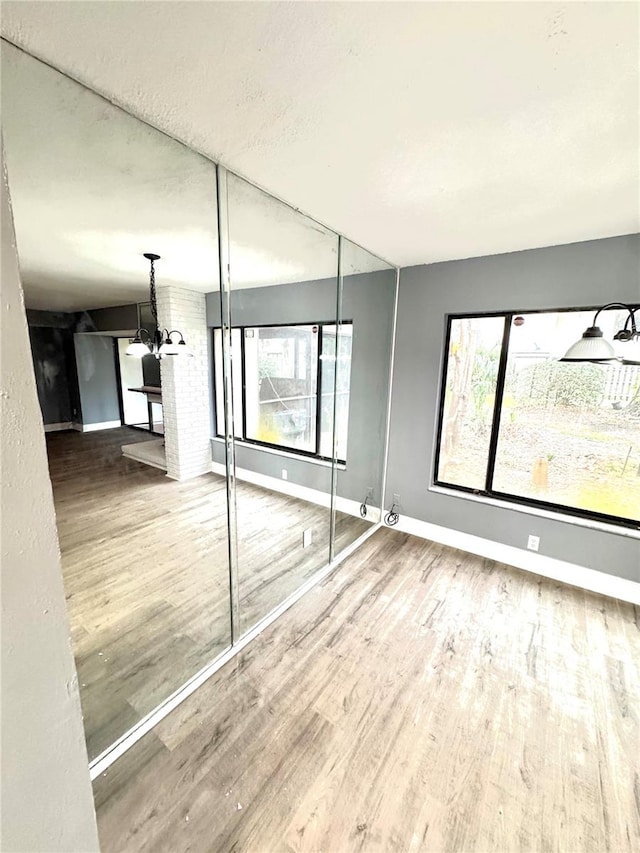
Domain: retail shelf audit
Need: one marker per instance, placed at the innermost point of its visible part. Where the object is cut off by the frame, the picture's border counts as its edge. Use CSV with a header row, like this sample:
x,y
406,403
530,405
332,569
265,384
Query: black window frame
x,y
488,491
308,454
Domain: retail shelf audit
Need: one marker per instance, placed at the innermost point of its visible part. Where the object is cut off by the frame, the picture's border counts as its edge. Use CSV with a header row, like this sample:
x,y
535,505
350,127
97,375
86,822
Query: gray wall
x,y
48,351
97,378
58,361
368,300
51,319
47,802
54,364
115,319
75,373
579,274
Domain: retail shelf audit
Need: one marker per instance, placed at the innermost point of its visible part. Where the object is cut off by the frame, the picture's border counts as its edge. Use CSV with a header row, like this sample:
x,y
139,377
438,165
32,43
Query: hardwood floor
x,y
419,699
145,564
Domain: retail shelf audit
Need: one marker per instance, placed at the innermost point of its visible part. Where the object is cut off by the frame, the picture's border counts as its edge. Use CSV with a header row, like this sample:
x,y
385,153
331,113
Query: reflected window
x,y
470,387
336,372
219,385
286,384
540,431
280,367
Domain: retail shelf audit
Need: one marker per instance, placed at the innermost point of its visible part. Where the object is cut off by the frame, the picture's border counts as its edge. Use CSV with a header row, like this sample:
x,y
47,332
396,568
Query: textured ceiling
x,y
92,188
424,131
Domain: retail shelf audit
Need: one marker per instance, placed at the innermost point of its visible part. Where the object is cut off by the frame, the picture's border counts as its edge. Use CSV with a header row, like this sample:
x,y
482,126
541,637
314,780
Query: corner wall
x,y
47,804
578,274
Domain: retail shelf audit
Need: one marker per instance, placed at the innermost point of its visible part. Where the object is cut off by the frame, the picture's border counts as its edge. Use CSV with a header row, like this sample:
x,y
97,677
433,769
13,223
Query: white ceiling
x,y
424,131
92,188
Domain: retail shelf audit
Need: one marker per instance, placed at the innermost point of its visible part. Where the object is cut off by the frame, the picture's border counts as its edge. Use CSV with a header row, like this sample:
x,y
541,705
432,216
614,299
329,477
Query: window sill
x,y
574,520
285,453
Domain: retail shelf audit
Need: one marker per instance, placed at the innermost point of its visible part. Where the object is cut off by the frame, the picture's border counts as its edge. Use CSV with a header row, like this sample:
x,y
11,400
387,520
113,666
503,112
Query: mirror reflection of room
x,y
364,343
140,382
213,449
144,555
283,484
303,374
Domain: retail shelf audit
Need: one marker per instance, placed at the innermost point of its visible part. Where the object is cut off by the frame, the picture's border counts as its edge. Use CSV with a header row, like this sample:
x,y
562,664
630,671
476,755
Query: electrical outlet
x,y
284,474
307,537
533,542
370,492
396,500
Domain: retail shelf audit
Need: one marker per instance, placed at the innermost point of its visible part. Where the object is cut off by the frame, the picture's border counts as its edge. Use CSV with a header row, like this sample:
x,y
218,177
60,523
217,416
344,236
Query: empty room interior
x,y
320,426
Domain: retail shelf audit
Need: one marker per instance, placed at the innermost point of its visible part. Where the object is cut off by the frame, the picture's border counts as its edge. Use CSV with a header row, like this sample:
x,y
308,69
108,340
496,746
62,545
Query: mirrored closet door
x,y
144,555
283,301
361,348
213,374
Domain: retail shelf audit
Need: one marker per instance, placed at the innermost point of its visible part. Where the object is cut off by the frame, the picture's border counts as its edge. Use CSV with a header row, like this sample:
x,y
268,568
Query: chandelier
x,y
158,342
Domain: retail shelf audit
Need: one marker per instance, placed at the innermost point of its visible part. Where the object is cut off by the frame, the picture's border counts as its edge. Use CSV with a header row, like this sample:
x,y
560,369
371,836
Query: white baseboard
x,y
548,567
58,427
304,493
96,427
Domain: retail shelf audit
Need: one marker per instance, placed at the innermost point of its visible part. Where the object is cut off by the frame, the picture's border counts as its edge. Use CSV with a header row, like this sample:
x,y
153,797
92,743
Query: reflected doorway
x,y
140,390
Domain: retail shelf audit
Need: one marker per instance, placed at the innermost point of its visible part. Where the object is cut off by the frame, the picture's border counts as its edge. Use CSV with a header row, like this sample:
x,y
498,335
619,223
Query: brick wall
x,y
185,385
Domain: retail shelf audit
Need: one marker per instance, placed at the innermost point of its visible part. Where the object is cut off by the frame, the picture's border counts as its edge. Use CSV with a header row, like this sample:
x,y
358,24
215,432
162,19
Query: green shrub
x,y
577,385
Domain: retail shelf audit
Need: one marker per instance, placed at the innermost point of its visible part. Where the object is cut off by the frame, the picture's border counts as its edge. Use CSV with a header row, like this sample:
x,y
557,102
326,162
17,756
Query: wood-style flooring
x,y
419,699
145,565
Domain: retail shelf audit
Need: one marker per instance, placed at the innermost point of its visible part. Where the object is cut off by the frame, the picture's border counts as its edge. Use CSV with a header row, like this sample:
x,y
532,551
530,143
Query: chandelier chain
x,y
152,290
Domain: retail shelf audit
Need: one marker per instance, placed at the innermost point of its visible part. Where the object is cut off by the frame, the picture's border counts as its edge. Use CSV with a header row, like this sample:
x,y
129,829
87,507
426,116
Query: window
x,y
516,423
283,387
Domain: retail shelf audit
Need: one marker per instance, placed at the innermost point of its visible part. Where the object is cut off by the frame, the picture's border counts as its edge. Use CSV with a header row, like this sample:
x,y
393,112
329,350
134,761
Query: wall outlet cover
x,y
533,543
284,474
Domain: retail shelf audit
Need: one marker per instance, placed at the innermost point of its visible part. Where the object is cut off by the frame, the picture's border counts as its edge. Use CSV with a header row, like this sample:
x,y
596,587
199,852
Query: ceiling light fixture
x,y
595,348
159,342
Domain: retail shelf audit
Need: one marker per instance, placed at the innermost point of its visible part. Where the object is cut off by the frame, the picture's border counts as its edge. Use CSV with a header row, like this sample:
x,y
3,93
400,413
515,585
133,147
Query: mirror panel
x,y
144,555
283,277
362,353
193,495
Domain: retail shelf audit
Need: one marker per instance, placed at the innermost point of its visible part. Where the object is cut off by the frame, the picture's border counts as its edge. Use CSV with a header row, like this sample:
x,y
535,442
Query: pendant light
x,y
595,348
159,342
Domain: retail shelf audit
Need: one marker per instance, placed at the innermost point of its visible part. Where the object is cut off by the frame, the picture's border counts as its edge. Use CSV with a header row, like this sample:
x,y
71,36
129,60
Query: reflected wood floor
x,y
145,566
419,699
